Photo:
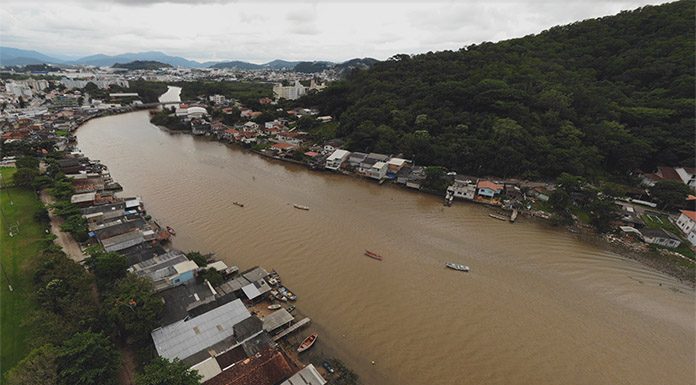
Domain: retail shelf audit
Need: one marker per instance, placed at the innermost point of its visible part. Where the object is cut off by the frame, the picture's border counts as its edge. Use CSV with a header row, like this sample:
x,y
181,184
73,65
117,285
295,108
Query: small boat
x,y
290,309
373,255
307,343
275,306
171,231
238,204
300,207
456,266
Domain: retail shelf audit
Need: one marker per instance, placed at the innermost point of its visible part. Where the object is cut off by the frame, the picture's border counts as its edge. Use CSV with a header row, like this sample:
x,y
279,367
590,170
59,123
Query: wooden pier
x,y
292,328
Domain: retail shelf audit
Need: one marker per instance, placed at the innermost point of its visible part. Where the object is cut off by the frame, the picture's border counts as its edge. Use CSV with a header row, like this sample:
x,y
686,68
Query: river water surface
x,y
538,307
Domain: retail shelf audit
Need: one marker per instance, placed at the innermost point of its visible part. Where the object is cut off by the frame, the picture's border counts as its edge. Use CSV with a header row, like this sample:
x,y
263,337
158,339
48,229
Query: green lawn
x,y
17,216
62,132
662,222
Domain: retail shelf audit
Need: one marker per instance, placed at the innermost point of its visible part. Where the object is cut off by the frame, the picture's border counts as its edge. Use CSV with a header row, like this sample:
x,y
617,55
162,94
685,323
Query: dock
x,y
292,328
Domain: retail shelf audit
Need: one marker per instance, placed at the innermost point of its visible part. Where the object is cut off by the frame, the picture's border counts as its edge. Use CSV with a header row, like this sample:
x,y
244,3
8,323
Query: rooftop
x,y
309,375
277,319
188,337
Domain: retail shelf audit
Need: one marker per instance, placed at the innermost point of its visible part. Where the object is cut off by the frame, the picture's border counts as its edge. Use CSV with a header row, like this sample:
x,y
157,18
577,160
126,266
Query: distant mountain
x,y
356,63
107,61
19,57
281,64
311,67
142,65
236,64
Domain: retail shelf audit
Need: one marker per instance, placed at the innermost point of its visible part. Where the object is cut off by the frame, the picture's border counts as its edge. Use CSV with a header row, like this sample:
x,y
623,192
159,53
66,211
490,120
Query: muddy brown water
x,y
538,307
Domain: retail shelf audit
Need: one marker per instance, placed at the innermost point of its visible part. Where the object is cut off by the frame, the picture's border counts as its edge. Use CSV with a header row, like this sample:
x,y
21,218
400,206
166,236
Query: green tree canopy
x,y
164,372
39,367
107,268
670,193
87,359
133,307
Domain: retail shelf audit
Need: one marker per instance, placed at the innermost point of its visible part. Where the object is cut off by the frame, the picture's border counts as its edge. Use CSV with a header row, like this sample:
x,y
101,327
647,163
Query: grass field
x,y
656,221
17,216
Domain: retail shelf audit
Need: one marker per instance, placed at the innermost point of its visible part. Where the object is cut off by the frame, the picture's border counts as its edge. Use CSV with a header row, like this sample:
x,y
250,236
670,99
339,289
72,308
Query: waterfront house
x,y
336,159
462,188
659,237
687,224
396,164
377,171
200,127
488,189
84,199
283,148
267,367
309,375
370,160
416,177
355,159
191,339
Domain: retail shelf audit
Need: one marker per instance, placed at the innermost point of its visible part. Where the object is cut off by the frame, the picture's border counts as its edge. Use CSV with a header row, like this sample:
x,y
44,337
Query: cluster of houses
x,y
223,330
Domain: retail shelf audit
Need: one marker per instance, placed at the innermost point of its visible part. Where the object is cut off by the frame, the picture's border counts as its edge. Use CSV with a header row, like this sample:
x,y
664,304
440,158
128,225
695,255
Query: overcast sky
x,y
261,31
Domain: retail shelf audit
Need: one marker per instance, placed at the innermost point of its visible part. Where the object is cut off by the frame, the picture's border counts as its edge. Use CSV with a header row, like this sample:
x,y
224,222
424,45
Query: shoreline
x,y
651,259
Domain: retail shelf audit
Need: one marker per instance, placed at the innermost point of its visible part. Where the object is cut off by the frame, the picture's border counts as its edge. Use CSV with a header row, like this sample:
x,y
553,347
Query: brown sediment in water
x,y
539,305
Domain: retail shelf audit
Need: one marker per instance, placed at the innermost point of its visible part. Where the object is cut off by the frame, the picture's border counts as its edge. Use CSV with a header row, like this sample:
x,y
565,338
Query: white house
x,y
463,189
687,224
334,161
377,171
659,237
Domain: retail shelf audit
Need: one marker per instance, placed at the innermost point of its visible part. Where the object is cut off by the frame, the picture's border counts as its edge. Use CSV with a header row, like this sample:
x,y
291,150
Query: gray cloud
x,y
264,30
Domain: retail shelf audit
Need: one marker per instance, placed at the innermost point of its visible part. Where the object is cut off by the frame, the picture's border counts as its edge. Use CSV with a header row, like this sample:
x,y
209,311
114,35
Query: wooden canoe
x,y
307,343
373,255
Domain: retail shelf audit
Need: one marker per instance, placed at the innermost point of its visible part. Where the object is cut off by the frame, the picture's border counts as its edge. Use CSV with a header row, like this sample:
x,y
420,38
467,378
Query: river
x,y
538,307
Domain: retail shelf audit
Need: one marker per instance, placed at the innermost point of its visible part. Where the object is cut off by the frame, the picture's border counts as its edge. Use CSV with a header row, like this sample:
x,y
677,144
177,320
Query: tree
x,y
197,257
37,368
435,179
164,372
602,212
24,177
133,307
107,268
213,276
669,193
87,359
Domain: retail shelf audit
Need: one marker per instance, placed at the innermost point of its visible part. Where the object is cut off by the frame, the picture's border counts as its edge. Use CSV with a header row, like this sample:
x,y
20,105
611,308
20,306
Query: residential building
x,y
377,171
659,237
336,159
687,224
190,337
217,99
462,188
488,189
289,92
686,175
309,375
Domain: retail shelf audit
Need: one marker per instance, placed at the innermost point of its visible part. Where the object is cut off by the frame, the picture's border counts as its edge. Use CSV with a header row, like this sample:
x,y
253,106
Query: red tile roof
x,y
267,368
490,185
690,214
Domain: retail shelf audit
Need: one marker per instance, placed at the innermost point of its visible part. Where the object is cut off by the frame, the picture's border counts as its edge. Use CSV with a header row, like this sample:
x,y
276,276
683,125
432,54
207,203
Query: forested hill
x,y
598,98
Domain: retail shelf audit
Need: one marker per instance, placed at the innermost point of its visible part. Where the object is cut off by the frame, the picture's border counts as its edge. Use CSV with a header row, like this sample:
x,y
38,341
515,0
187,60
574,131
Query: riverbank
x,y
525,272
681,268
120,234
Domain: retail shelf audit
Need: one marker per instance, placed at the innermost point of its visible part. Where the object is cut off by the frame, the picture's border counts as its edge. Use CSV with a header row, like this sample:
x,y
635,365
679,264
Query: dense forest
x,y
599,98
142,65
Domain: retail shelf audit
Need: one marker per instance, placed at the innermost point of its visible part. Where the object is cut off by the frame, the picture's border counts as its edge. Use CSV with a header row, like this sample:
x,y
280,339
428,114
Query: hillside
x,y
142,65
597,98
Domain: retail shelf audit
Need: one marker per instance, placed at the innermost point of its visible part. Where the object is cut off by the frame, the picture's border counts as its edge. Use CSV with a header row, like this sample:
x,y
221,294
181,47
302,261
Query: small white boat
x,y
456,266
300,207
275,306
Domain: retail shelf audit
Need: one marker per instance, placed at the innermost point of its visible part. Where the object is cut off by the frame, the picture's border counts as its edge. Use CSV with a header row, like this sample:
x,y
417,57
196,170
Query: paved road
x,y
64,240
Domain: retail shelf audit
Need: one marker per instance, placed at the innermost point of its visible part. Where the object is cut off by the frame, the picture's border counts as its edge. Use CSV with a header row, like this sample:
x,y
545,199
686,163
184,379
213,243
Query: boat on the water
x,y
290,309
307,343
275,306
373,255
238,204
171,230
456,266
300,207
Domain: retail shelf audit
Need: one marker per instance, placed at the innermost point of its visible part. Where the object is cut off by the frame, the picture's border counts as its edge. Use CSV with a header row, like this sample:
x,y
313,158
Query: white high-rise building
x,y
289,92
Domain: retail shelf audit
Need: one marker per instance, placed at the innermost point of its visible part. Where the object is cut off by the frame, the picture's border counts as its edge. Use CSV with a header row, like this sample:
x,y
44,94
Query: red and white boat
x,y
373,255
307,343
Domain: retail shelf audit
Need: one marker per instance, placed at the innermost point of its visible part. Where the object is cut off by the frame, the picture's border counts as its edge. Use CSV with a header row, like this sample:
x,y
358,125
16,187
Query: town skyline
x,y
220,30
